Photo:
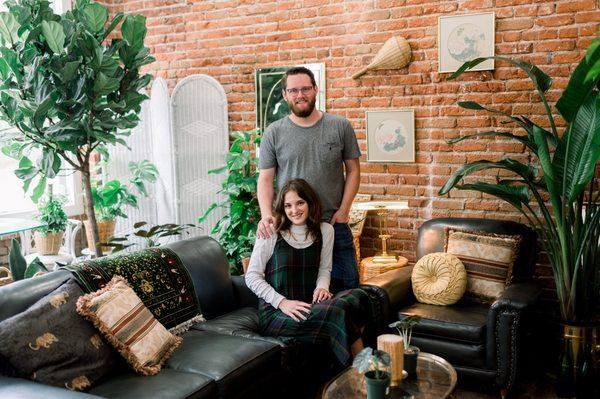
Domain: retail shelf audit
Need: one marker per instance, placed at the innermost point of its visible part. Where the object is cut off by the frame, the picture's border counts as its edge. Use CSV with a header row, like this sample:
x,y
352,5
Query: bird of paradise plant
x,y
568,224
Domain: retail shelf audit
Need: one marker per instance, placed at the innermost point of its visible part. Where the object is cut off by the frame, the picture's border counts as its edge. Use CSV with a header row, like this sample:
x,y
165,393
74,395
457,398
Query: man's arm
x,y
350,189
265,194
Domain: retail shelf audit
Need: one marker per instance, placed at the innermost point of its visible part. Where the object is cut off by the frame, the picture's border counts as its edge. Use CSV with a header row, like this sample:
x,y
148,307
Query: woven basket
x,y
48,244
394,54
106,229
5,276
370,269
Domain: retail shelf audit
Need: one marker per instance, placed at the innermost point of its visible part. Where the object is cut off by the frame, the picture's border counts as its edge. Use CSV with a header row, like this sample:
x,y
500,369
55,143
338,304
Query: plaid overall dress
x,y
336,322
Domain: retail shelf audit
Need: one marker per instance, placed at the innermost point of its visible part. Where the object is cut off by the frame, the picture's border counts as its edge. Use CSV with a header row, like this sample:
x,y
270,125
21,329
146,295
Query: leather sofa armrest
x,y
17,388
387,292
244,296
505,324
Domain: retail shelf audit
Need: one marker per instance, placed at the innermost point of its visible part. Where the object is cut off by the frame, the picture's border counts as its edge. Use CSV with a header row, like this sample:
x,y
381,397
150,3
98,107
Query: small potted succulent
x,y
411,353
374,365
48,238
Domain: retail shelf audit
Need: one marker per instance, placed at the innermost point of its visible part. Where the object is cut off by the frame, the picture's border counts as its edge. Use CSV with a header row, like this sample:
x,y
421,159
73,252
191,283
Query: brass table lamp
x,y
382,208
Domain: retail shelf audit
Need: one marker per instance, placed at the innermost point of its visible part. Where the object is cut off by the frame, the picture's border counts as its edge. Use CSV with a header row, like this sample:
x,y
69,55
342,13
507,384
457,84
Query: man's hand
x,y
297,310
265,227
320,295
341,216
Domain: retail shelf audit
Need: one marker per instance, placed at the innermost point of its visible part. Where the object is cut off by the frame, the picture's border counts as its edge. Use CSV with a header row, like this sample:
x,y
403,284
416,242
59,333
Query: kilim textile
x,y
157,276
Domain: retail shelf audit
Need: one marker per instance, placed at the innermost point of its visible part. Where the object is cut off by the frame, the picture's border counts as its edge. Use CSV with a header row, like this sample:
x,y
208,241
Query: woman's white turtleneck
x,y
263,250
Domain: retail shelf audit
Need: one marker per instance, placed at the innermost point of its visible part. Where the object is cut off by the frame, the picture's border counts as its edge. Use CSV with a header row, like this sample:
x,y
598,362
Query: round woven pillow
x,y
439,279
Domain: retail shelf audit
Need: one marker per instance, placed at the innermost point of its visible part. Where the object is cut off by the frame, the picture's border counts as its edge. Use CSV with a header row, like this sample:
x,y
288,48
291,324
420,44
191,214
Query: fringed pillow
x,y
488,259
129,326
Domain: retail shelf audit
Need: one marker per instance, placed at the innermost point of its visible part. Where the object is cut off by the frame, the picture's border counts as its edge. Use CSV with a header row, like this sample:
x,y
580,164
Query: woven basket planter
x,y
48,244
5,276
106,229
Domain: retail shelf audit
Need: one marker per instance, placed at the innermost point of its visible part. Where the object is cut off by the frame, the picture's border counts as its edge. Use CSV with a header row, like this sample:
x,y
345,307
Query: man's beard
x,y
303,113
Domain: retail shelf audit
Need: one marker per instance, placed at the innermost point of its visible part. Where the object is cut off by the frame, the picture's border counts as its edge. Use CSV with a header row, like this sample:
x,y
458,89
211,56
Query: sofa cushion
x,y
235,363
461,322
439,279
488,259
50,343
166,384
129,326
456,353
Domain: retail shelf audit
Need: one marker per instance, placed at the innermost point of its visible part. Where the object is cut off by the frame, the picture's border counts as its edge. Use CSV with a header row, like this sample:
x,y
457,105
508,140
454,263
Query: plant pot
x,y
5,276
106,229
377,387
410,361
245,263
579,362
48,244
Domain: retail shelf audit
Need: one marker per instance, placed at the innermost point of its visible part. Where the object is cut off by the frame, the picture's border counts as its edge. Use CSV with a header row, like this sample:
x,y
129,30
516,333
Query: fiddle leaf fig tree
x,y
66,89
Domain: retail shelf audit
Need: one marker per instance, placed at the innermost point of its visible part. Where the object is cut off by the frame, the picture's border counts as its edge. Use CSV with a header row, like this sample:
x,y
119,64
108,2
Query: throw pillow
x,y
51,344
129,326
439,279
488,259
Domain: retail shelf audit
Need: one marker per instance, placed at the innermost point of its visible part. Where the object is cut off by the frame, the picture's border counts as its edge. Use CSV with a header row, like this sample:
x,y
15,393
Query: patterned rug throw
x,y
157,276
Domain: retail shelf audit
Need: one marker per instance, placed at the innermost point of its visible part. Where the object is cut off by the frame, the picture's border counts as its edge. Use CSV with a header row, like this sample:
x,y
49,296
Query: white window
x,y
13,201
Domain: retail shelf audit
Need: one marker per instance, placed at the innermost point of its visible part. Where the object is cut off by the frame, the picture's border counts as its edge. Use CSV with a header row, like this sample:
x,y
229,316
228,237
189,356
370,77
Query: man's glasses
x,y
303,90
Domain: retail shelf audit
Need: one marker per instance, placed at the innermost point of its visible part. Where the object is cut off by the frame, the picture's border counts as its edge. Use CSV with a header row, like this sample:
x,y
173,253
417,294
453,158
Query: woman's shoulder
x,y
263,242
326,229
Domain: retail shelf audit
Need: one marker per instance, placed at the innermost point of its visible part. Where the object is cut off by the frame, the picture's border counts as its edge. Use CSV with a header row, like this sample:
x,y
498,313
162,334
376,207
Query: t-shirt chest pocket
x,y
330,151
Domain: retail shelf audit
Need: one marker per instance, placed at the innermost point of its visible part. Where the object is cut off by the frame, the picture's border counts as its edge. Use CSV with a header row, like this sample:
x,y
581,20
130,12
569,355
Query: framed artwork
x,y
391,136
270,104
462,38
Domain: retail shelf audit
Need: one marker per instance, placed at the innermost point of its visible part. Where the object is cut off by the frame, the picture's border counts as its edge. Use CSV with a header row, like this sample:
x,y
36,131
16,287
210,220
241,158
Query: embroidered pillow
x,y
439,279
488,260
51,344
129,326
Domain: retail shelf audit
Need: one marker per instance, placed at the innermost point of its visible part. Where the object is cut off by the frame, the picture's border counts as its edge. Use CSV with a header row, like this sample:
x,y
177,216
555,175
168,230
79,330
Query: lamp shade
x,y
373,205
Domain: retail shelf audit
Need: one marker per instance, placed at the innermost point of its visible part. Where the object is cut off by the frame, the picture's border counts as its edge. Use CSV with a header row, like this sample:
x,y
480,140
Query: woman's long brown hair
x,y
306,192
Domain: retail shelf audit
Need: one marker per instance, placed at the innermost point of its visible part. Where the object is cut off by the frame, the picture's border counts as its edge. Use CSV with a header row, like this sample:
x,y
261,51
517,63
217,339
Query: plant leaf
x,y
95,16
517,196
16,260
134,31
35,266
582,81
54,35
9,27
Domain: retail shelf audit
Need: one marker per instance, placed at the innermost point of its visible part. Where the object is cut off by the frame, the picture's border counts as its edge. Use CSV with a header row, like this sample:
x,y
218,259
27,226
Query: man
x,y
316,147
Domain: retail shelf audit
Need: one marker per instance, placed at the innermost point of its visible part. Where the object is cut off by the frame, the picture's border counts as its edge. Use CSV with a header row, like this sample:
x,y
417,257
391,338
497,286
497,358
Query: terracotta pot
x,y
48,244
106,229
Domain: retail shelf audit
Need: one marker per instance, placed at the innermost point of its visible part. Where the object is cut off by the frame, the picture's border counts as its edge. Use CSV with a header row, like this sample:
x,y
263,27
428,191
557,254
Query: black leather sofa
x,y
486,343
221,358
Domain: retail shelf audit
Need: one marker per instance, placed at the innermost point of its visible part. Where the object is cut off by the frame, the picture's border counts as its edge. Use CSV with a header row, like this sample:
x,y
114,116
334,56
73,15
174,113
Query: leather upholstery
x,y
480,340
224,357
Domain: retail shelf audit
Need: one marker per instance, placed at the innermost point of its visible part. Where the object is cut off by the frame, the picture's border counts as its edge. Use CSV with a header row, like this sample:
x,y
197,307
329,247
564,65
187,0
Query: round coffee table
x,y
436,379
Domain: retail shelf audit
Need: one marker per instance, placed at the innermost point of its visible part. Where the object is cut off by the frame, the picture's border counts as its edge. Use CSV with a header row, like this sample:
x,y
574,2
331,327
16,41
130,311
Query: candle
x,y
394,345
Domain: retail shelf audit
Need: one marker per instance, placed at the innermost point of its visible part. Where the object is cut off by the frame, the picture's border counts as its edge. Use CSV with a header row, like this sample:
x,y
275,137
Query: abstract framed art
x,y
462,38
391,135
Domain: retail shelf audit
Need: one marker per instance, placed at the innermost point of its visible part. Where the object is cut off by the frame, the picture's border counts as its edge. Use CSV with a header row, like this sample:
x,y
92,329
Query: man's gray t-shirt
x,y
315,154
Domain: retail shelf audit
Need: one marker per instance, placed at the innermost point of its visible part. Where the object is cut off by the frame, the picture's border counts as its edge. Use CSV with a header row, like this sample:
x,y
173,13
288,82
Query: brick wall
x,y
229,39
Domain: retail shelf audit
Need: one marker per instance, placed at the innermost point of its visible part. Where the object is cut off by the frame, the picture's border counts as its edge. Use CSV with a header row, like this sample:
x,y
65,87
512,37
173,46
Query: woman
x,y
290,273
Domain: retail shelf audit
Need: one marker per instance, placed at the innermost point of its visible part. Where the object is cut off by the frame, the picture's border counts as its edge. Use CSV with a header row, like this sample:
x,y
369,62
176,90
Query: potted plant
x,y
19,269
560,182
68,89
48,238
411,352
237,229
373,364
112,197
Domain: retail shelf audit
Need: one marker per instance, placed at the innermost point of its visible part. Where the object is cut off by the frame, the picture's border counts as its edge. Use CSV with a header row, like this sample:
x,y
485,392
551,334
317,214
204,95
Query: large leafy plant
x,y
111,198
237,229
560,182
151,236
67,89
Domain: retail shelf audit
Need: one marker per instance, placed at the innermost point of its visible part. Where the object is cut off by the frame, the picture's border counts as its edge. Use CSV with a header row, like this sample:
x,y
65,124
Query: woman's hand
x,y
320,295
297,310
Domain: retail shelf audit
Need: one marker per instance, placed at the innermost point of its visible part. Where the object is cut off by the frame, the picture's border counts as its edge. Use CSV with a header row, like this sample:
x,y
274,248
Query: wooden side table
x,y
368,268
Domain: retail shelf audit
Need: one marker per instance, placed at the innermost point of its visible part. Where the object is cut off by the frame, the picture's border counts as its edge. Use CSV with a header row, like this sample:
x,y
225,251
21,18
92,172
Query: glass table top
x,y
436,379
15,225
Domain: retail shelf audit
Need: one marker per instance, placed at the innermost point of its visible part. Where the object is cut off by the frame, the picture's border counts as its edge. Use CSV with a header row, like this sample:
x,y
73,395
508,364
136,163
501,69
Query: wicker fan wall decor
x,y
394,54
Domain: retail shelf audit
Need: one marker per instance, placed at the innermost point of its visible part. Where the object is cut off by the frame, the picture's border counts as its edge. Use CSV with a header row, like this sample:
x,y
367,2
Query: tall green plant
x,y
67,89
569,226
237,229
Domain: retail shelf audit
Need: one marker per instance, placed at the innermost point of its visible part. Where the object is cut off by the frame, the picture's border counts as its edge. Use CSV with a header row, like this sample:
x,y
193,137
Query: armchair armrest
x,y
387,292
244,296
505,324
